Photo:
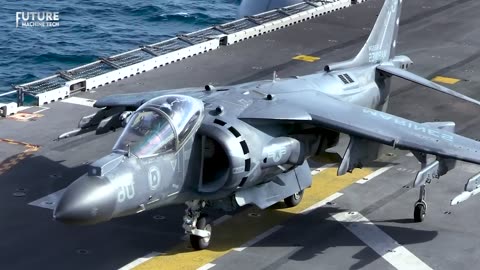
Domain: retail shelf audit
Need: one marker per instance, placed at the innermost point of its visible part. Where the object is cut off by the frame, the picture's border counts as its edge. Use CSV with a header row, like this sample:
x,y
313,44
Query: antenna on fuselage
x,y
129,152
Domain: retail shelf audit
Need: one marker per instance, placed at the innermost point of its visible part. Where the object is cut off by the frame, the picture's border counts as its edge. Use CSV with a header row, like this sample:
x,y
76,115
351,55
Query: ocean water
x,y
94,28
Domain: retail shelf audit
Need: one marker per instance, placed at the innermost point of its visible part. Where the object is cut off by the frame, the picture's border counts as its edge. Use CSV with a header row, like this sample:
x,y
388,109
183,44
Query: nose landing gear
x,y
197,225
201,240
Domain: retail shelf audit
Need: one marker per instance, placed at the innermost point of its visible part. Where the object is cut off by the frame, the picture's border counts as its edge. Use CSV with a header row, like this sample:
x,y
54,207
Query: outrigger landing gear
x,y
294,199
420,210
196,225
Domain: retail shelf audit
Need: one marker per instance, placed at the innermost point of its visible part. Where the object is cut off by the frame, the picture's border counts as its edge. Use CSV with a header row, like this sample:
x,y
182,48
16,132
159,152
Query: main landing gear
x,y
197,225
294,199
427,173
420,210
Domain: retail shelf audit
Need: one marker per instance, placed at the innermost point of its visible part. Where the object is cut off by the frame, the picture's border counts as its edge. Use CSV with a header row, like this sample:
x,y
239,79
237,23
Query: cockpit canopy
x,y
161,125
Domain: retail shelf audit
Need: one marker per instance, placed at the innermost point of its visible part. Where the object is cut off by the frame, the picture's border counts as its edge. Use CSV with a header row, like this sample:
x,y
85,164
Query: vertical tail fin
x,y
381,43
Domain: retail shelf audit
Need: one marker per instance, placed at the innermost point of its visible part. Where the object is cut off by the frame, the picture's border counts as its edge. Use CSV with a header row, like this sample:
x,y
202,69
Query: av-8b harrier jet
x,y
245,144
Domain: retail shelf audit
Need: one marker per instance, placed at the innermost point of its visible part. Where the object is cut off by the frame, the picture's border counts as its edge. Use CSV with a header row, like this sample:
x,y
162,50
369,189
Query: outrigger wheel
x,y
199,242
294,199
420,211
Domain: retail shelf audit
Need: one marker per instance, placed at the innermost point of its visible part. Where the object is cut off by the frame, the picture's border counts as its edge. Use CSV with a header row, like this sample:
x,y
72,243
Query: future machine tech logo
x,y
37,19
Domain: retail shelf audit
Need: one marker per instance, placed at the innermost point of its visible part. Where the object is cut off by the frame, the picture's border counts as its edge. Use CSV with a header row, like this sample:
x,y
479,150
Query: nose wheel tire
x,y
420,211
294,199
199,242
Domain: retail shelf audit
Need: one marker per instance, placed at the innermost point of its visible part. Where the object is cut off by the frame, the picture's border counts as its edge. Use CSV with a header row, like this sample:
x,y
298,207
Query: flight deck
x,y
362,220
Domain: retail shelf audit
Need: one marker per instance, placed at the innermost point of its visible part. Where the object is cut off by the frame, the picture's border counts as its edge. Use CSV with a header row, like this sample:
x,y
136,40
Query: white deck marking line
x,y
258,238
206,266
249,243
409,154
321,203
374,174
322,168
221,219
390,250
265,234
80,101
49,201
41,110
23,108
139,261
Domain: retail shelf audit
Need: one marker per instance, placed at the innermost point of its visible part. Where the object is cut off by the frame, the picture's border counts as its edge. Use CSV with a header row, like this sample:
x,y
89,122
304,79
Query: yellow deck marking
x,y
306,58
243,227
29,149
446,80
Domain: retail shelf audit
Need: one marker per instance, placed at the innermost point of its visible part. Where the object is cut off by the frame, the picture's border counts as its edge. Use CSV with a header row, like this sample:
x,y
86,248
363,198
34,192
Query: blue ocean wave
x,y
95,28
63,58
189,18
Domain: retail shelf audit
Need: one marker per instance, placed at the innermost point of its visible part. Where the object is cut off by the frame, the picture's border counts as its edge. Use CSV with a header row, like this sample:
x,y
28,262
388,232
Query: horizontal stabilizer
x,y
393,71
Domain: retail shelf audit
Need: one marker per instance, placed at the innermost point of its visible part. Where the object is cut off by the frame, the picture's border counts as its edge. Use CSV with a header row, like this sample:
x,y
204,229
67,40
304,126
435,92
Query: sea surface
x,y
89,29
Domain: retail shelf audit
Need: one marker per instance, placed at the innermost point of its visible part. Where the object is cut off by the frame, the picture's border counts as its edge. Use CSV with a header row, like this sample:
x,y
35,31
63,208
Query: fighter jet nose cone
x,y
88,200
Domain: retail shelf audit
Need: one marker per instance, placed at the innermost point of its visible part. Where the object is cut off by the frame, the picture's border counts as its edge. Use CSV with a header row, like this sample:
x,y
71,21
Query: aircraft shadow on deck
x,y
38,175
316,232
331,234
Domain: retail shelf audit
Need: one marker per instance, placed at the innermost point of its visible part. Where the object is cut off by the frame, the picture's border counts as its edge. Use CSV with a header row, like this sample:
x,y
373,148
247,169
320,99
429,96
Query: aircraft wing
x,y
365,123
135,100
